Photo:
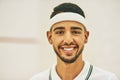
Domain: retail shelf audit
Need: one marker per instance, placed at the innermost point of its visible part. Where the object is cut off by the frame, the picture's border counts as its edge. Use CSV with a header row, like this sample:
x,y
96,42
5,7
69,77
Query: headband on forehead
x,y
67,16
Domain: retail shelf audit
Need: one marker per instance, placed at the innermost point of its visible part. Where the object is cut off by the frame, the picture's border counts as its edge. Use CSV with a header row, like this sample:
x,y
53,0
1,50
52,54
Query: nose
x,y
68,38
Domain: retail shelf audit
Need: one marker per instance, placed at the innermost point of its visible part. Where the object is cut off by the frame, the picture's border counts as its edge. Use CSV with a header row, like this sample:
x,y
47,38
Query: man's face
x,y
68,39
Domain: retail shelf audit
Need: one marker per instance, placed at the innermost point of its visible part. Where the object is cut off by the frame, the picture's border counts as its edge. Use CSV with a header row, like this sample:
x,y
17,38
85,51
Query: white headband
x,y
67,16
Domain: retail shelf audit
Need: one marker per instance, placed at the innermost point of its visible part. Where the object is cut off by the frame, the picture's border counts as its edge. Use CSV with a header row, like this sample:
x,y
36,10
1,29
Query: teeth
x,y
68,49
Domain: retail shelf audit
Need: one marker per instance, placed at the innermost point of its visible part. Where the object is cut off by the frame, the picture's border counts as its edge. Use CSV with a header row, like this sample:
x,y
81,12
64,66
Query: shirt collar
x,y
54,74
82,75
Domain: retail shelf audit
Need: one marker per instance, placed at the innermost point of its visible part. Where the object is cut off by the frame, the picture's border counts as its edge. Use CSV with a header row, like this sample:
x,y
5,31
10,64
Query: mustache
x,y
68,44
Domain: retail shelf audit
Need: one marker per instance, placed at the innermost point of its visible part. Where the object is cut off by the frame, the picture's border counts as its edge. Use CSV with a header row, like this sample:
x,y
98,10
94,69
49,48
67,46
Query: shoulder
x,y
100,74
44,75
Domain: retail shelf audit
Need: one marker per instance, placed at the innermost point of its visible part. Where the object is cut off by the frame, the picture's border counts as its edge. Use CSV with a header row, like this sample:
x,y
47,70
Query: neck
x,y
68,71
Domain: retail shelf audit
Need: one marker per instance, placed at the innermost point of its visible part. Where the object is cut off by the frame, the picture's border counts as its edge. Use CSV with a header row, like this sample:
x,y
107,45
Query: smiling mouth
x,y
68,50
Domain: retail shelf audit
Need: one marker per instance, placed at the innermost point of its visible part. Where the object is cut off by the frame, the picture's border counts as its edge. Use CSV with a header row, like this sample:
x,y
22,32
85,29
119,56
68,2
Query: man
x,y
68,35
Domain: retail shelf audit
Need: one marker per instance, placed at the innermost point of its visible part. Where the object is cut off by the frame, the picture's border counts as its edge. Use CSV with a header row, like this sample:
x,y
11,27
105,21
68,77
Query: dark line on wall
x,y
18,40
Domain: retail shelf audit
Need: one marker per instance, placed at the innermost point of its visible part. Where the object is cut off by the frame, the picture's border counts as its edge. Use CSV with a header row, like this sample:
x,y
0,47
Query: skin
x,y
68,39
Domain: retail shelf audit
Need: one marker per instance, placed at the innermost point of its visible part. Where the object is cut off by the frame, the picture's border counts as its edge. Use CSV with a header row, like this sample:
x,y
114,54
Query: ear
x,y
49,36
86,36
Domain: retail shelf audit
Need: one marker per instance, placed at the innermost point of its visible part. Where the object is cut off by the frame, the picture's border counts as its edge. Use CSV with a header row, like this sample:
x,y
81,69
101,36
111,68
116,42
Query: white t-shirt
x,y
94,74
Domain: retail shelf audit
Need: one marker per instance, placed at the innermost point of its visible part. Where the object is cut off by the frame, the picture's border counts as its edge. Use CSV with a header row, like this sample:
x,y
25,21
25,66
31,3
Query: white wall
x,y
24,50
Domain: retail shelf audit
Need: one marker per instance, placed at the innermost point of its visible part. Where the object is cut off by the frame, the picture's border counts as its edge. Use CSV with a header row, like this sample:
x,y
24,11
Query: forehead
x,y
67,25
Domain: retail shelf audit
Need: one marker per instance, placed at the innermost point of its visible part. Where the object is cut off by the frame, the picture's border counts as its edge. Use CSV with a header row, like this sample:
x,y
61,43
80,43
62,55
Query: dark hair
x,y
67,7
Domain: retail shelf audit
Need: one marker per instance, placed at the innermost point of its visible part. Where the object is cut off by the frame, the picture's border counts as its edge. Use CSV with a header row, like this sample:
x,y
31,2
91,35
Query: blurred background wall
x,y
24,50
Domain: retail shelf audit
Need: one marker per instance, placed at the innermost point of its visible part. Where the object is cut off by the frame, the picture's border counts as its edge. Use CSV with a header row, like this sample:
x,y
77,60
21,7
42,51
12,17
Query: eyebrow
x,y
58,28
74,28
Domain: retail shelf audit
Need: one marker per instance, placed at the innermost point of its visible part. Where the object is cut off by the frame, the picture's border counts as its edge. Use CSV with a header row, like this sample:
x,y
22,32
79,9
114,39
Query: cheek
x,y
56,40
80,40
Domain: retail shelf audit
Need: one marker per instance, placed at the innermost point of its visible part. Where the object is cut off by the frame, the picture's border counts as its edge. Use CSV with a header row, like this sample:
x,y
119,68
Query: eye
x,y
76,32
59,32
